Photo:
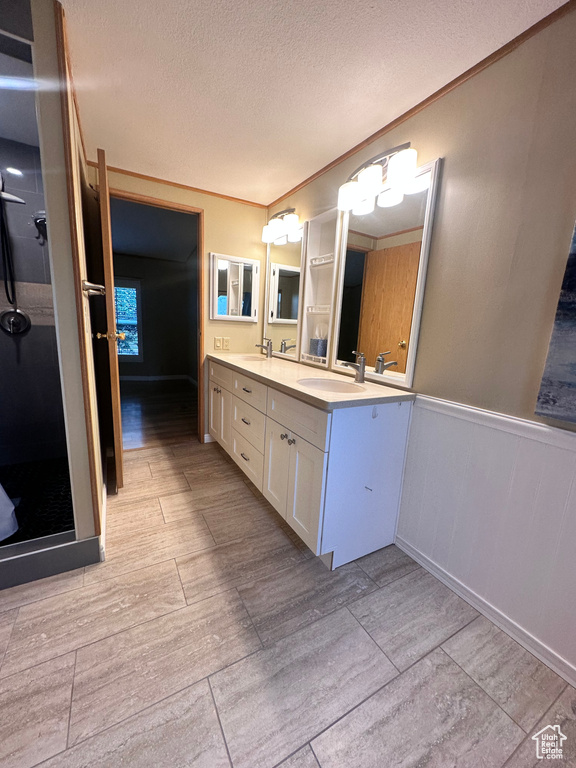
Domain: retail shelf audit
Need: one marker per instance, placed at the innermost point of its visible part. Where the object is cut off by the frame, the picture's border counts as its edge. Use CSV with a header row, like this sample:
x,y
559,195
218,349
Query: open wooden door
x,y
111,337
389,287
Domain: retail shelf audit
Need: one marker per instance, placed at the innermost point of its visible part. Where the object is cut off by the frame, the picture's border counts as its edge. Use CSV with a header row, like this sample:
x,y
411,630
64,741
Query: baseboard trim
x,y
208,438
49,562
524,638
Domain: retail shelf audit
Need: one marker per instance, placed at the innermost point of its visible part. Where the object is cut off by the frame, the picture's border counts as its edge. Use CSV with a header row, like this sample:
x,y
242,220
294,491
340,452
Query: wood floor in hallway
x,y
211,637
158,412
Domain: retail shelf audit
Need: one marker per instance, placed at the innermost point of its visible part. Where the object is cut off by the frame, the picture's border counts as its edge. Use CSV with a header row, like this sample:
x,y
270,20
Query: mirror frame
x,y
391,377
214,257
273,293
298,323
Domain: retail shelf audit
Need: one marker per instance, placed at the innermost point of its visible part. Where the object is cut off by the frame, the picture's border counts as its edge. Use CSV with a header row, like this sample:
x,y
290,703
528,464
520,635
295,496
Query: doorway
x,y
157,250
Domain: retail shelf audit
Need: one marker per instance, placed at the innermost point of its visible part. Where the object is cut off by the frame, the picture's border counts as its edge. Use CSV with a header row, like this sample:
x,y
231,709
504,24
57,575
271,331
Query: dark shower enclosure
x,y
34,475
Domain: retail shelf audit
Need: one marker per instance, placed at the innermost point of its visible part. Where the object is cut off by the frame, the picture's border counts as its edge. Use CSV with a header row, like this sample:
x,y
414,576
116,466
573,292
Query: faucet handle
x,y
358,354
383,354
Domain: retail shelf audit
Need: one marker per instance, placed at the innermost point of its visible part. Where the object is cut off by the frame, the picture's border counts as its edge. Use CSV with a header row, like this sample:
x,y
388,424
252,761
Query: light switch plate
x,y
225,342
217,342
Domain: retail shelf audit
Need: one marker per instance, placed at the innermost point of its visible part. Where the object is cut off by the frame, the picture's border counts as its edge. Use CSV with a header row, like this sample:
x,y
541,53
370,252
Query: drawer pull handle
x,y
292,441
246,422
217,389
247,390
283,437
244,457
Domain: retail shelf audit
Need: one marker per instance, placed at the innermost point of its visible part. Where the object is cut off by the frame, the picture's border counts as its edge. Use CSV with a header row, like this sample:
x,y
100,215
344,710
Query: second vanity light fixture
x,y
384,179
284,227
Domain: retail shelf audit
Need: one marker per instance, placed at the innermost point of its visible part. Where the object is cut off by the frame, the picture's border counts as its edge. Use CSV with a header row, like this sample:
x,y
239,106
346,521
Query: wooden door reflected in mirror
x,y
381,283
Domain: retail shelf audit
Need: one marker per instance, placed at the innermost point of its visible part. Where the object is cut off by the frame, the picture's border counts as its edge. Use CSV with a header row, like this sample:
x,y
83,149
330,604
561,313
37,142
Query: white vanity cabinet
x,y
334,476
220,406
234,418
294,472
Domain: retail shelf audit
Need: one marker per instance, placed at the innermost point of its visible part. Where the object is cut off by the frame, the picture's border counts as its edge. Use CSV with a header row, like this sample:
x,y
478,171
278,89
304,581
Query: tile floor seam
x,y
374,641
250,617
315,755
142,567
161,700
93,642
47,597
9,641
291,755
436,647
319,618
220,723
71,699
134,714
378,587
519,747
500,707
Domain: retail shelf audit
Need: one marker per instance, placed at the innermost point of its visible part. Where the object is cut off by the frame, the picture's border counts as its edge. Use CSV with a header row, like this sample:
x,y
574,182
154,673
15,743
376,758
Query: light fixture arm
x,y
280,214
378,159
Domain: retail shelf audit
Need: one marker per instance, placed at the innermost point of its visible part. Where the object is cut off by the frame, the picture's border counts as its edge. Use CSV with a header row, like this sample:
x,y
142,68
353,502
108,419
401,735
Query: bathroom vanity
x,y
327,453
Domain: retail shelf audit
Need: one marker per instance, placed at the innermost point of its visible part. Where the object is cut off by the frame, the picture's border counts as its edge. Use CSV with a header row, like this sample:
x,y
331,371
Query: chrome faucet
x,y
267,346
284,348
381,364
360,366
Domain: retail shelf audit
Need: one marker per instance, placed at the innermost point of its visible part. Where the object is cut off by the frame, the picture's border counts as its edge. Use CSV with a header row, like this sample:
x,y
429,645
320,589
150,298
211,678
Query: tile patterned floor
x,y
212,638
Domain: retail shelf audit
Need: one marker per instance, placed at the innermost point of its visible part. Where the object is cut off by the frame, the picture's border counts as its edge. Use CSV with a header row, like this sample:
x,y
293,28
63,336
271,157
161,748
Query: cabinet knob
x,y
284,437
291,441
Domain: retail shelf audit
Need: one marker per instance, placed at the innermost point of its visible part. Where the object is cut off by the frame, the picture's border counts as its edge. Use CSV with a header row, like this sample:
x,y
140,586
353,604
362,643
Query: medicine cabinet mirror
x,y
234,288
283,297
380,291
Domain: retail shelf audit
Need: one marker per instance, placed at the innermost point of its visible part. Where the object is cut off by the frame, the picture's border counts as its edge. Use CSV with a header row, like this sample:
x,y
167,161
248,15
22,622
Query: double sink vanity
x,y
327,453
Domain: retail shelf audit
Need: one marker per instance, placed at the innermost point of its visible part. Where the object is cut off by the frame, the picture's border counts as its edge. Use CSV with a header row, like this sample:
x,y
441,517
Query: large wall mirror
x,y
234,288
283,297
382,273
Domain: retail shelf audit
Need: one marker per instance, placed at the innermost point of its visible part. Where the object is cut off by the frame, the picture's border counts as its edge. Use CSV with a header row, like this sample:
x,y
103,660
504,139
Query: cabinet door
x,y
276,461
305,502
214,418
225,438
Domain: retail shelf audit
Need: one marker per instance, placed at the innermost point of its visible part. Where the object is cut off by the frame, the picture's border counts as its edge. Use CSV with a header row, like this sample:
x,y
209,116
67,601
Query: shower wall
x,y
31,413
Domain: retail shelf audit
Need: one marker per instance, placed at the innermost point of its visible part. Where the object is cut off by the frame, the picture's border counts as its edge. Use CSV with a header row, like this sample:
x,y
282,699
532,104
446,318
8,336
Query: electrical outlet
x,y
225,342
217,342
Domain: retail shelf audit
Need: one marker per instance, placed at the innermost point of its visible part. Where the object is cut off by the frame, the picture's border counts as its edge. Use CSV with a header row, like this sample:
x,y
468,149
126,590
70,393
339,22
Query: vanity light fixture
x,y
284,227
382,179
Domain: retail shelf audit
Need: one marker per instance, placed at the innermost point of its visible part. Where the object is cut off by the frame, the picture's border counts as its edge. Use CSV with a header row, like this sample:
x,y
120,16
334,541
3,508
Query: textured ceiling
x,y
250,98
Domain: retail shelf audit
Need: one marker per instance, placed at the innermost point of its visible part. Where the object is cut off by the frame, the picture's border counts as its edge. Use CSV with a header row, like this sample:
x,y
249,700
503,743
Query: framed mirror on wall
x,y
382,272
283,297
234,288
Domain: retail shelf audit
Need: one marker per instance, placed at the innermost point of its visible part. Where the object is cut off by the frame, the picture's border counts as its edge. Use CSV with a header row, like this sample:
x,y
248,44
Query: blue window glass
x,y
127,320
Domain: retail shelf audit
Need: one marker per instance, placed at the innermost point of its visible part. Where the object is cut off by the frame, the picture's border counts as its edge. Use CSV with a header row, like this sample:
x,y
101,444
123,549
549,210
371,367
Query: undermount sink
x,y
330,385
251,358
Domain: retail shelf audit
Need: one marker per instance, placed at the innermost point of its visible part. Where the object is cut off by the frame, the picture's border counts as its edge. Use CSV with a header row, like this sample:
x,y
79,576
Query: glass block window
x,y
128,319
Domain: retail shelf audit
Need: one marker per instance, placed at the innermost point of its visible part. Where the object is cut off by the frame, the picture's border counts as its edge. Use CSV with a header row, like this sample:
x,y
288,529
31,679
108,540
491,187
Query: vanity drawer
x,y
310,423
249,422
221,375
248,458
250,391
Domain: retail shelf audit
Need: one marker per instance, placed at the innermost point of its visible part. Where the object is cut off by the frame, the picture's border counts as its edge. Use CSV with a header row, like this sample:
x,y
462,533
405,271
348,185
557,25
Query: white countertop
x,y
284,374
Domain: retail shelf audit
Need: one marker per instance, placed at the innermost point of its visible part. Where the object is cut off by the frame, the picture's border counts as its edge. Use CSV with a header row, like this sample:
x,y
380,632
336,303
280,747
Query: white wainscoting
x,y
489,507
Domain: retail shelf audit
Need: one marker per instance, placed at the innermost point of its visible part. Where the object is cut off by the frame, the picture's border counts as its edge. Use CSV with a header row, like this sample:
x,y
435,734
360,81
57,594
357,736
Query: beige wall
x,y
230,227
505,215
